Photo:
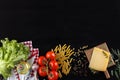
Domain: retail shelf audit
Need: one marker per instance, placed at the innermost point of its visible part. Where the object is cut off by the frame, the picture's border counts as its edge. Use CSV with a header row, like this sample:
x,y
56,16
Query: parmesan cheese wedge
x,y
99,59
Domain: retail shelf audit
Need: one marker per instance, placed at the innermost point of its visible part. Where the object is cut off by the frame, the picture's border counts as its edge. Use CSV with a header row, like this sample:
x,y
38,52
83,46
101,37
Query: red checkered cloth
x,y
32,59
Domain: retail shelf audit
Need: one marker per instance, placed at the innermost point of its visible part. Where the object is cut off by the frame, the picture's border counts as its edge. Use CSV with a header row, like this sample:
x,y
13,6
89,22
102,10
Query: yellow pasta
x,y
60,75
63,56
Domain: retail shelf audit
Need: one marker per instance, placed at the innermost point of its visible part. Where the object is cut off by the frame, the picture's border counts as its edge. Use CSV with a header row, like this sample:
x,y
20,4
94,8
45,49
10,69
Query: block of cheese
x,y
99,59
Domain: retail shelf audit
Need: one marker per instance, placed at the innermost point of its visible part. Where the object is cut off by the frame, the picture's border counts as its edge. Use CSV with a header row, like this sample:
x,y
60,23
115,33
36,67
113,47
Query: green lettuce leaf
x,y
11,53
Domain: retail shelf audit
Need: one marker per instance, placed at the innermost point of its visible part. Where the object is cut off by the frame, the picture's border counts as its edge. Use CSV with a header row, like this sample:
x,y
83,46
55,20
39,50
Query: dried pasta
x,y
63,57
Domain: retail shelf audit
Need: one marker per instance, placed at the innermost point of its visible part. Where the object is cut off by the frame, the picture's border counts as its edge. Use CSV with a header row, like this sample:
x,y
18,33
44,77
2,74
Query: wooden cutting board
x,y
103,46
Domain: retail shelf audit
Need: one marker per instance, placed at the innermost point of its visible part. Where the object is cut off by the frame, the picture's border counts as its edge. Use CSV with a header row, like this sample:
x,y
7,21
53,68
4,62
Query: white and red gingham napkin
x,y
32,59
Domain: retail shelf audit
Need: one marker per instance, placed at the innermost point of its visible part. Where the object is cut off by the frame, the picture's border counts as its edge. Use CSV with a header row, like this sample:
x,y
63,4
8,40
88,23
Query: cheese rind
x,y
99,59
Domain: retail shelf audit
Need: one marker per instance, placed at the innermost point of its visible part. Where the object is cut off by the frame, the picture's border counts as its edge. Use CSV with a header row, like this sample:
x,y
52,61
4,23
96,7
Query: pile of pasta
x,y
63,57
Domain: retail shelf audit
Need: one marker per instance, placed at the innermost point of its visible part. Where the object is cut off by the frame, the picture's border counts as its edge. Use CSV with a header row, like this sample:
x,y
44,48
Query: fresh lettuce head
x,y
11,53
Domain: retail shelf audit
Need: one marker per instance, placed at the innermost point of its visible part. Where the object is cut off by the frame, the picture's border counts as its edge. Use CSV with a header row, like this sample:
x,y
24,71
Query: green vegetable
x,y
11,53
105,54
116,70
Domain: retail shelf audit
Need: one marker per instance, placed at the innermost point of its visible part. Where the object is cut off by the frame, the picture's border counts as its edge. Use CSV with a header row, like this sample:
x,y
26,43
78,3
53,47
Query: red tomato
x,y
53,75
53,65
42,60
42,71
50,55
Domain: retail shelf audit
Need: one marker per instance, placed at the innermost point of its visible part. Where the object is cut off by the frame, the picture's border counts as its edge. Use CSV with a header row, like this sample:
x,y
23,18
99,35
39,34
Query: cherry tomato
x,y
42,61
50,55
53,65
42,71
53,75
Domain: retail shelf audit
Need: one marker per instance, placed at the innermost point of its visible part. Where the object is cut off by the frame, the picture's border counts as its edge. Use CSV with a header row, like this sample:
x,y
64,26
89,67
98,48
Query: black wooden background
x,y
49,23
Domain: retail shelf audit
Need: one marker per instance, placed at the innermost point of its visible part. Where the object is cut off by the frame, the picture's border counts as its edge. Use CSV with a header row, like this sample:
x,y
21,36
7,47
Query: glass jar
x,y
23,67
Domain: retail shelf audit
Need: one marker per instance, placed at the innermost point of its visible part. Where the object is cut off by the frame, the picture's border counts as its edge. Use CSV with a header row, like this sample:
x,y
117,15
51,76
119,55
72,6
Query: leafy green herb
x,y
116,56
105,54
